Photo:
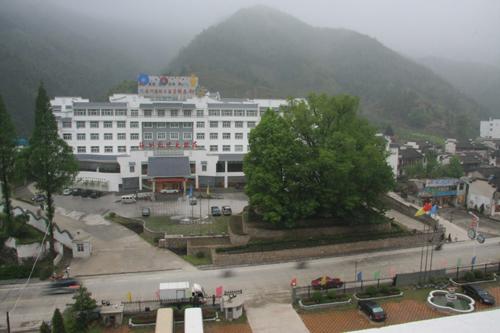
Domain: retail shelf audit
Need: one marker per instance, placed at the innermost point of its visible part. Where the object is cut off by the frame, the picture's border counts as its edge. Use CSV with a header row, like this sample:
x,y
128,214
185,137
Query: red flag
x,y
427,206
293,283
218,291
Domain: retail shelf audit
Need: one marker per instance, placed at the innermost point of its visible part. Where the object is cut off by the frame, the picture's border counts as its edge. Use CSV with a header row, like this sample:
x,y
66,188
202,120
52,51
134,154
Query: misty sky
x,y
464,30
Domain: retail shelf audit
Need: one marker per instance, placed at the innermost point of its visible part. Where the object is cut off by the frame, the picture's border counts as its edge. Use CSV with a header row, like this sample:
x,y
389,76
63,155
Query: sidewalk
x,y
274,318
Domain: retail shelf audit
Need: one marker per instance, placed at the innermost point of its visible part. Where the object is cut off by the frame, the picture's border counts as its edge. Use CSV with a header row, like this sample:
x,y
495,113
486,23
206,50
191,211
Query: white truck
x,y
172,291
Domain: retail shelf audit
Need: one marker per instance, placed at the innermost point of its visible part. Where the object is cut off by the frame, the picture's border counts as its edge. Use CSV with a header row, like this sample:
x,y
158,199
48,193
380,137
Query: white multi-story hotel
x,y
490,129
133,142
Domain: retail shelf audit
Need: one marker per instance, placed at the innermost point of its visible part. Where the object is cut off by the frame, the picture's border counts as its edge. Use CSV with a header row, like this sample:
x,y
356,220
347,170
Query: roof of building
x,y
168,166
469,145
231,157
409,153
233,105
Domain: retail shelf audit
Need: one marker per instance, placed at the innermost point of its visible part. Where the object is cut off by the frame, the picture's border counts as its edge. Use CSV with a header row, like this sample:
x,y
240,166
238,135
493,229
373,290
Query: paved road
x,y
262,284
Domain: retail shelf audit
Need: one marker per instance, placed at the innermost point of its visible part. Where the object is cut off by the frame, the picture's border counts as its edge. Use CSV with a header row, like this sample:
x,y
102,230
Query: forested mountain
x,y
72,54
261,52
479,81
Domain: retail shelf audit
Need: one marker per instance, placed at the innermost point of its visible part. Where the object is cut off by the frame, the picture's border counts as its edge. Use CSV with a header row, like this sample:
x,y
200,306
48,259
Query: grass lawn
x,y
194,260
165,224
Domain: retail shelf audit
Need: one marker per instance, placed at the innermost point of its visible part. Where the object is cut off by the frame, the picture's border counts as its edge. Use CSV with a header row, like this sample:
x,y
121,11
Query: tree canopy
x,y
318,158
433,169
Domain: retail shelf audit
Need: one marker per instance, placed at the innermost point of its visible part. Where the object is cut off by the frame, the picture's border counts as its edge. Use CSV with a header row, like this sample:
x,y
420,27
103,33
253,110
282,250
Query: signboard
x,y
168,145
164,87
441,182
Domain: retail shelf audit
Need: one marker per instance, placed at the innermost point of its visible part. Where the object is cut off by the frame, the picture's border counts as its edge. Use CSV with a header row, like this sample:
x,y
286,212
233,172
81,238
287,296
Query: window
x,y
199,113
174,136
134,148
134,136
134,124
81,149
213,148
80,136
250,124
94,124
227,113
80,112
200,124
108,149
121,112
214,136
262,111
251,113
238,124
226,148
238,136
147,125
94,149
187,125
174,125
203,165
121,136
226,136
108,124
80,247
93,112
174,113
107,112
134,113
66,124
239,113
214,124
186,113
80,124
220,166
94,136
108,136
148,113
121,124
122,149
160,113
161,136
148,136
238,148
199,136
187,135
226,124
161,125
67,136
200,147
213,113
131,167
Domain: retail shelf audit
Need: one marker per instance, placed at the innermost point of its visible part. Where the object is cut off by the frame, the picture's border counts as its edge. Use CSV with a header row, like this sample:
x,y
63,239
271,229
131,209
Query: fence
x,y
139,306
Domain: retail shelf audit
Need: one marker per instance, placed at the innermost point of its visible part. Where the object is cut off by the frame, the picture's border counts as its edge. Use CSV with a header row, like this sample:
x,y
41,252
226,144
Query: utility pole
x,y
8,322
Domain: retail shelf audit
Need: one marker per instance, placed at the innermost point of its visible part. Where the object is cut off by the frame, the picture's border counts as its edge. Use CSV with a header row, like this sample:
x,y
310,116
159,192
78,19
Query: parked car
x,y
85,193
326,282
76,191
226,210
95,194
479,294
39,197
373,310
169,190
67,191
215,211
146,211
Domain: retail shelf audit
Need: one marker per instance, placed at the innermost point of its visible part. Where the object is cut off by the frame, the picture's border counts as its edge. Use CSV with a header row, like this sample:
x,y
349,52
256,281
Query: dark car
x,y
373,310
326,282
76,191
85,193
215,211
95,194
146,211
226,210
39,197
479,294
63,286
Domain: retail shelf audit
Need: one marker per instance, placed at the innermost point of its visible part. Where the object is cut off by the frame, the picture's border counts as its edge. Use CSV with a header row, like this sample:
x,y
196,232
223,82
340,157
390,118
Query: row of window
x,y
166,125
165,136
226,148
96,136
226,124
135,124
236,113
150,136
96,124
123,149
103,112
215,136
163,113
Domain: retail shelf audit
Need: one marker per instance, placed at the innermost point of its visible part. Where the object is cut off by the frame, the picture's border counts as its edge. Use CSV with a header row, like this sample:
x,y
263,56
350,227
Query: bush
x,y
112,215
479,275
384,290
200,254
469,277
317,297
371,291
45,272
394,290
332,294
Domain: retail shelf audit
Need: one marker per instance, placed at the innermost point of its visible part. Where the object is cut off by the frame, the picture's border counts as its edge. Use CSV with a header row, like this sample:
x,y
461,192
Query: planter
x,y
377,297
475,282
323,305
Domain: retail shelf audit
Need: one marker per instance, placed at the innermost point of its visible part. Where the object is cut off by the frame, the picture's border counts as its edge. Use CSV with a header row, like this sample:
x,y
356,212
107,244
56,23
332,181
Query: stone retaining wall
x,y
408,210
323,251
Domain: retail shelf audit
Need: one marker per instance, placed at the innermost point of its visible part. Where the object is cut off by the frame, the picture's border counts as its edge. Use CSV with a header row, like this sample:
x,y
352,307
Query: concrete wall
x,y
179,242
25,251
323,251
408,210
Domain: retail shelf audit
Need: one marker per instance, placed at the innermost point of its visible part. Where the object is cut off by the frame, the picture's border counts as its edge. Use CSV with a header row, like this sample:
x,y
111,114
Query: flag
x,y
376,275
392,272
129,296
218,291
420,212
473,261
359,276
293,283
434,210
459,262
427,206
208,189
324,280
190,191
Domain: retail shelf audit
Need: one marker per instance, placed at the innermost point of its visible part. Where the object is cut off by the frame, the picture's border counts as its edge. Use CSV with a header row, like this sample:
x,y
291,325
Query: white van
x,y
129,198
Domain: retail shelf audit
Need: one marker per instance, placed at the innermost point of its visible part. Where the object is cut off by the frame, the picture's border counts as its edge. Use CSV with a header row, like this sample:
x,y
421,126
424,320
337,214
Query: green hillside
x,y
261,52
479,81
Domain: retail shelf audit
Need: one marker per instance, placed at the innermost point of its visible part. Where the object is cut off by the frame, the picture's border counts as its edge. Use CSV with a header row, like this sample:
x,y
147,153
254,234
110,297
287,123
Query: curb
x,y
323,305
475,282
123,273
378,297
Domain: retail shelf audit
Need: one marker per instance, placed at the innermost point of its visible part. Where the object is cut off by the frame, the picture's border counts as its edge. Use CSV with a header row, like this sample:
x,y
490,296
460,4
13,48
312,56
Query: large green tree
x,y
7,161
51,161
334,163
81,310
58,322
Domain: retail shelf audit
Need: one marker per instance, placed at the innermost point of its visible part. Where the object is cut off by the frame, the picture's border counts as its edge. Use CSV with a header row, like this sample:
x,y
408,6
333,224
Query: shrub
x,y
45,272
469,277
317,297
371,291
478,274
394,290
112,215
332,294
384,290
200,254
